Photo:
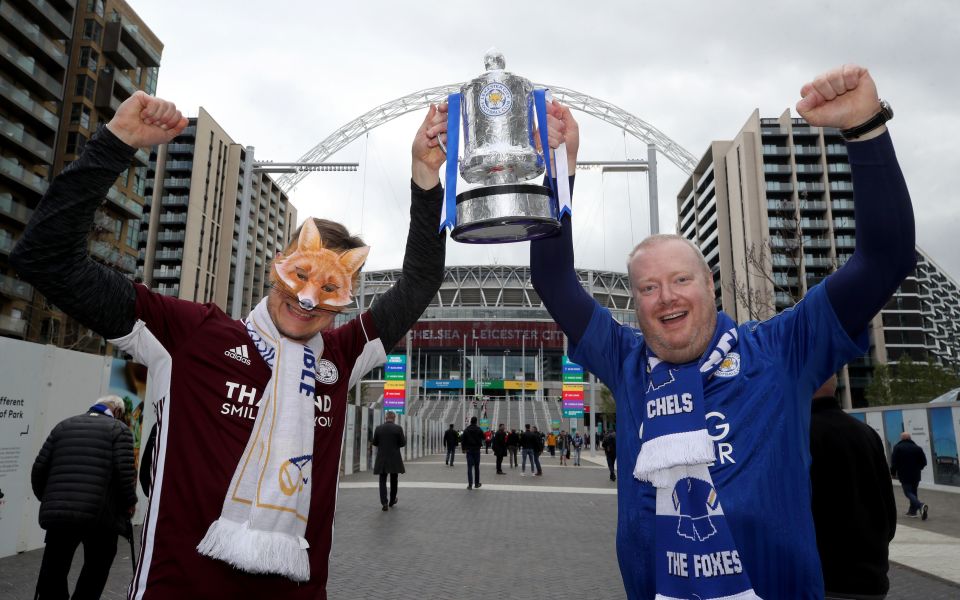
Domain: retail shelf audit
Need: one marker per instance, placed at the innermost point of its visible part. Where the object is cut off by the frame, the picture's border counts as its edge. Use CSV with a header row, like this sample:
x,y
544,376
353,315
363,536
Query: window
x,y
95,6
80,115
133,232
150,85
139,180
117,229
88,58
92,30
75,142
85,87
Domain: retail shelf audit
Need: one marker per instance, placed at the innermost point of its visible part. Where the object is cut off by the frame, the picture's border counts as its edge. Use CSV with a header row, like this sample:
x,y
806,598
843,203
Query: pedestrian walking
x,y
85,480
451,440
577,444
563,447
609,445
906,462
500,447
538,450
389,438
513,442
472,442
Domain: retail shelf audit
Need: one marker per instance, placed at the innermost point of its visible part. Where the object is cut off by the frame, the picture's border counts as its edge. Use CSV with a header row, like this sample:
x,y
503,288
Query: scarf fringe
x,y
256,551
745,595
659,454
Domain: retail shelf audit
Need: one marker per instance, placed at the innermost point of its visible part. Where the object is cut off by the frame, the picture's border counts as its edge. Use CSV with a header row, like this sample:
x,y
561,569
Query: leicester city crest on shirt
x,y
730,365
327,372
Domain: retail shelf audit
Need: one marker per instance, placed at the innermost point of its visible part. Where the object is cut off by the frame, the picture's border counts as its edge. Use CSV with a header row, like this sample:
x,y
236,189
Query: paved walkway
x,y
532,537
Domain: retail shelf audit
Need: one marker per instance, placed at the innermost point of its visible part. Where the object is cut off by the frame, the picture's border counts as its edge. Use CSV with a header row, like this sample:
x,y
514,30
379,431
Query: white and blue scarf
x,y
696,555
264,516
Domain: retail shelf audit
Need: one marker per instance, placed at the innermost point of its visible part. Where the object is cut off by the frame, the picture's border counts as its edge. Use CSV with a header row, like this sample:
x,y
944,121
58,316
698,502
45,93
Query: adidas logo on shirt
x,y
238,353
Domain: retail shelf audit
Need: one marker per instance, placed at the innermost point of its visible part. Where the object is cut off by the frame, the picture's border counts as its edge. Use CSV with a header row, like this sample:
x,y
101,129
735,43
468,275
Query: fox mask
x,y
318,277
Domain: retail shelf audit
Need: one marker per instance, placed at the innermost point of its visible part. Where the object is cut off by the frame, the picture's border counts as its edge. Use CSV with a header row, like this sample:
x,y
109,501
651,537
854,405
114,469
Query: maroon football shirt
x,y
205,379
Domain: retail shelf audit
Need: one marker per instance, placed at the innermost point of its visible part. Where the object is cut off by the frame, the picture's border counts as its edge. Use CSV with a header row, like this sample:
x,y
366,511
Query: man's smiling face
x,y
673,293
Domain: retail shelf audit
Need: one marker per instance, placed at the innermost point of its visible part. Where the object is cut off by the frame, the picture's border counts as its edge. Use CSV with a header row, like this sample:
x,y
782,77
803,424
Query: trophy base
x,y
498,214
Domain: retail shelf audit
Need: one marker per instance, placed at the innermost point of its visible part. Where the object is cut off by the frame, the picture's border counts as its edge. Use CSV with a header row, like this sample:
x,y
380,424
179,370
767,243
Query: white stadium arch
x,y
385,113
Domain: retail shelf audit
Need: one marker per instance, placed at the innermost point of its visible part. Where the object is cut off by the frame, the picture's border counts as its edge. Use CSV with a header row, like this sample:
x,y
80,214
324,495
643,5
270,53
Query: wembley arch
x,y
605,111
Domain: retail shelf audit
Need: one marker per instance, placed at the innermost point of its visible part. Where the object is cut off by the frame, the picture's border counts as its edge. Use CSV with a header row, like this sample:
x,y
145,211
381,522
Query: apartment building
x,y
191,228
69,66
35,42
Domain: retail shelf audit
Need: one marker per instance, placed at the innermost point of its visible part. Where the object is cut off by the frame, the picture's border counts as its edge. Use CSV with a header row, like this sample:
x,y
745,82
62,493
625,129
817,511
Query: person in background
x,y
451,439
906,462
85,480
848,469
472,441
609,445
389,438
500,447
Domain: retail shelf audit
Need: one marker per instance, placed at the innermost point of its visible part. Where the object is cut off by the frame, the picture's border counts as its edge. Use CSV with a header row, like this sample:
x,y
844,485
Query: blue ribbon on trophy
x,y
496,111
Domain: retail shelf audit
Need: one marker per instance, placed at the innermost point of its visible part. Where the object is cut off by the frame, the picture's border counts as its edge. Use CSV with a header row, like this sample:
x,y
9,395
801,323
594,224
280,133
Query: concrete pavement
x,y
531,537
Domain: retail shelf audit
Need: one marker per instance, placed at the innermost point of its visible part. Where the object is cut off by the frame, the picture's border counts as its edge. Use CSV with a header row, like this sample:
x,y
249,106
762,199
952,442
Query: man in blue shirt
x,y
713,486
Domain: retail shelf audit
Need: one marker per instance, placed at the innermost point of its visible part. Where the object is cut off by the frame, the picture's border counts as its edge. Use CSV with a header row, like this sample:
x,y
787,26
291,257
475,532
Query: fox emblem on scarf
x,y
316,276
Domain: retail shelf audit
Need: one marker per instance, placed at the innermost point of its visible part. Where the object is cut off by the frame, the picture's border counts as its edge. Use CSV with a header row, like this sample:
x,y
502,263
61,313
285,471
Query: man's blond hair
x,y
659,238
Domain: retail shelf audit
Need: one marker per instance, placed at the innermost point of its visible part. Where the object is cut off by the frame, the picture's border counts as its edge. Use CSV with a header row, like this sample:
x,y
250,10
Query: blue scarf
x,y
696,556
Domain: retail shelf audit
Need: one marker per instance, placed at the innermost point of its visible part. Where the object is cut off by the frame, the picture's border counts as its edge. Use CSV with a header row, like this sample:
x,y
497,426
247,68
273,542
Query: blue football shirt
x,y
758,414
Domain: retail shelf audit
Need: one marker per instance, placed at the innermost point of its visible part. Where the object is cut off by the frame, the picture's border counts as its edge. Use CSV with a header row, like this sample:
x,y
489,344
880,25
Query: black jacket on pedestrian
x,y
84,474
609,444
530,440
906,461
500,443
849,470
451,439
472,438
388,438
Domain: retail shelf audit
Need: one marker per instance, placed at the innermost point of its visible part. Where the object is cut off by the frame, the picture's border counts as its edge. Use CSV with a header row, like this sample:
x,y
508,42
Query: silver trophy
x,y
497,109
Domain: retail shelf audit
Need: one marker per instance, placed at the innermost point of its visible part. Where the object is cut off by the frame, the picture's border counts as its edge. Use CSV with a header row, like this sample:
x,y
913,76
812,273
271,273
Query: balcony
x,y
29,30
843,205
28,106
171,236
25,178
131,37
779,187
838,168
782,223
836,150
841,186
173,219
13,209
813,205
775,151
127,205
816,243
813,223
774,168
179,165
180,148
166,273
113,257
846,241
14,288
168,290
16,133
806,168
174,201
115,49
40,82
43,13
781,205
169,255
142,157
844,223
12,326
810,186
806,150
176,182
818,261
105,100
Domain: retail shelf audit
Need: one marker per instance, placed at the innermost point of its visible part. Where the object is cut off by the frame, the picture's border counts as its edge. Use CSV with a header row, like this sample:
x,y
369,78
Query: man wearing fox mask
x,y
250,413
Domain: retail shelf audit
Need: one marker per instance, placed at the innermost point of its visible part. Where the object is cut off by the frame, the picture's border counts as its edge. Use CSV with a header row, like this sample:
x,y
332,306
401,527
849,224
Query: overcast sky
x,y
283,80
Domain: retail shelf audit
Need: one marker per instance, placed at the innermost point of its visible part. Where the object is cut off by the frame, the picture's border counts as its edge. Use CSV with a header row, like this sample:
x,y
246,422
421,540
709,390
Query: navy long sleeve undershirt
x,y
884,255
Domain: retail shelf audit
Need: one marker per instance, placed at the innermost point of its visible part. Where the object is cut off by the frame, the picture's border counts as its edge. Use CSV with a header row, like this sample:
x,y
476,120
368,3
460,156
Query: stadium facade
x,y
487,347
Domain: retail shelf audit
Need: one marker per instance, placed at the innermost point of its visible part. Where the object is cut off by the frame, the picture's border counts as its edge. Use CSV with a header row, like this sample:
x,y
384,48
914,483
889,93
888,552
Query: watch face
x,y
886,109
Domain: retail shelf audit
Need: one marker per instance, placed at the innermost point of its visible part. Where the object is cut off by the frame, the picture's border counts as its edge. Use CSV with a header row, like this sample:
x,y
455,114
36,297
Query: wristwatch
x,y
885,114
